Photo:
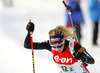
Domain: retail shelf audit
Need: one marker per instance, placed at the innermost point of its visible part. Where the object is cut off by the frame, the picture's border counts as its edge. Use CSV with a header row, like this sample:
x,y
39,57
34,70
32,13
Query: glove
x,y
84,59
30,27
77,55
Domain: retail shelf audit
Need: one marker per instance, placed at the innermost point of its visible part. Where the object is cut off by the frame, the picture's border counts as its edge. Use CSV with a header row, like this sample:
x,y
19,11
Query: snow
x,y
46,14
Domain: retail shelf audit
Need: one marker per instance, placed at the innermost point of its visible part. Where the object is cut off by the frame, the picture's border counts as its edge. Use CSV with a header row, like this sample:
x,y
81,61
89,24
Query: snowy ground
x,y
46,14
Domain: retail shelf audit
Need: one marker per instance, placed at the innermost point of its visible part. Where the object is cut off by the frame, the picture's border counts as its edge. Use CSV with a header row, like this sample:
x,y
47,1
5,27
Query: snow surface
x,y
46,14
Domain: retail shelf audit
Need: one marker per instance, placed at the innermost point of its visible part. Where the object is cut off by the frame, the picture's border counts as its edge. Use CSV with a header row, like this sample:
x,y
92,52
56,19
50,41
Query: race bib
x,y
75,68
66,68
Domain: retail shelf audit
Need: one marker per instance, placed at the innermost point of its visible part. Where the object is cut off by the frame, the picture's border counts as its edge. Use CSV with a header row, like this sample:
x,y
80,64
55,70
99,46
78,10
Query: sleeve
x,y
36,45
77,46
87,58
83,54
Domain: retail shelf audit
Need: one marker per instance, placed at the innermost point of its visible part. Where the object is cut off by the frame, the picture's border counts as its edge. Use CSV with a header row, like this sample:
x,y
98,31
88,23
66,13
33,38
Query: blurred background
x,y
45,14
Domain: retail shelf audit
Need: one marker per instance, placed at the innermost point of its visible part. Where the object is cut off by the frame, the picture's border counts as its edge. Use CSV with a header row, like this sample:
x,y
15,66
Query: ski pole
x,y
31,38
69,8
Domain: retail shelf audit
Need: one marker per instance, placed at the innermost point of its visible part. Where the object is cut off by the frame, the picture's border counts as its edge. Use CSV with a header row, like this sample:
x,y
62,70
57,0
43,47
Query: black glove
x,y
84,59
77,55
30,27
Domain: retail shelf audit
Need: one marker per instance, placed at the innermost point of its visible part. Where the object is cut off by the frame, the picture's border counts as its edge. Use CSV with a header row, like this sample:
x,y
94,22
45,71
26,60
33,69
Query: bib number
x,y
66,68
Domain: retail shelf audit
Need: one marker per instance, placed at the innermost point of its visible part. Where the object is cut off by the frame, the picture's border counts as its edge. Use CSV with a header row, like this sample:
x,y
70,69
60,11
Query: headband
x,y
57,39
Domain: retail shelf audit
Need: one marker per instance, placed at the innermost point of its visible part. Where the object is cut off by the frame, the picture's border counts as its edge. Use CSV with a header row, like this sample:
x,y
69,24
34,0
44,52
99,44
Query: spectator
x,y
94,12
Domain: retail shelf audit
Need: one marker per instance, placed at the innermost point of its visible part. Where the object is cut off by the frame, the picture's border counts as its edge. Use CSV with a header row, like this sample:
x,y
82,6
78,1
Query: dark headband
x,y
56,39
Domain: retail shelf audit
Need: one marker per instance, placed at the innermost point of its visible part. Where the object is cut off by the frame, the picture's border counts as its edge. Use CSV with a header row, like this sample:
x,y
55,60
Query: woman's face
x,y
58,47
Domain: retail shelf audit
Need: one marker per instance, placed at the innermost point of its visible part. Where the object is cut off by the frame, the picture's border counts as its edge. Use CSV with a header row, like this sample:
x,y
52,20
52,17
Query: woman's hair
x,y
67,32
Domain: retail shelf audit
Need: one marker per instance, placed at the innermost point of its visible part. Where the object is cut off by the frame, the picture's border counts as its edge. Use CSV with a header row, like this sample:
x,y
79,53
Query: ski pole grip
x,y
32,49
30,31
68,7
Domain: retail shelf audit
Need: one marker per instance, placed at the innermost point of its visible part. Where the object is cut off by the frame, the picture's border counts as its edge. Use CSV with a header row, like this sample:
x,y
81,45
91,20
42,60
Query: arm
x,y
87,58
36,45
81,53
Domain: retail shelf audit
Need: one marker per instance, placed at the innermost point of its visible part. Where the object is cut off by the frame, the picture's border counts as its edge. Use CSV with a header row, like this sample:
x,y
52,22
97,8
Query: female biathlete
x,y
60,47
